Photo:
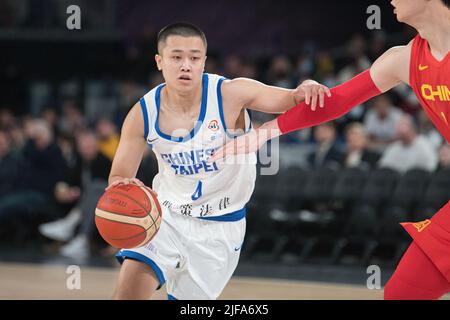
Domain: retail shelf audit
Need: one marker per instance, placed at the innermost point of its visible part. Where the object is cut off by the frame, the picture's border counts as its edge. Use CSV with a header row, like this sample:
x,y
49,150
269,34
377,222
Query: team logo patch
x,y
213,125
420,226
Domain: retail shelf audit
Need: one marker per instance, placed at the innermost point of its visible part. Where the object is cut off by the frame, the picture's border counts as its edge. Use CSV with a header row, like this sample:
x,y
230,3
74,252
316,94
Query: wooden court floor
x,y
33,281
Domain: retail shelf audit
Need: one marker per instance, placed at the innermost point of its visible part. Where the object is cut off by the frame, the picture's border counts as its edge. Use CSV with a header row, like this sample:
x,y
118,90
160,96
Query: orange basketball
x,y
128,216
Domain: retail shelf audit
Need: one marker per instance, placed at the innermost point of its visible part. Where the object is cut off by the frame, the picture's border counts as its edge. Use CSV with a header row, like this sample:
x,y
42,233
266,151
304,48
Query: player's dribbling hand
x,y
126,181
310,91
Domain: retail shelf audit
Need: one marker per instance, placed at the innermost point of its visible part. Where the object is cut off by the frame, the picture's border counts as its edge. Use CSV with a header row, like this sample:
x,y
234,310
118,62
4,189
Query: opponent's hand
x,y
248,143
310,91
126,181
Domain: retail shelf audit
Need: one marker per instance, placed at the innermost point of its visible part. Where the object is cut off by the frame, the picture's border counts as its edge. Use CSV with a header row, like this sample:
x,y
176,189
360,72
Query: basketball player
x,y
424,64
197,247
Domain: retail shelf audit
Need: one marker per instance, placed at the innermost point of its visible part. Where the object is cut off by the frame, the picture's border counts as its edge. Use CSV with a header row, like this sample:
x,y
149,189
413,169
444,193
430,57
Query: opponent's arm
x,y
387,72
130,150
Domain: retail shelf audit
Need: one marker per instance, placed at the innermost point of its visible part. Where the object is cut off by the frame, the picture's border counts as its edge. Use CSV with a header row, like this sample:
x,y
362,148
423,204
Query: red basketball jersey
x,y
430,80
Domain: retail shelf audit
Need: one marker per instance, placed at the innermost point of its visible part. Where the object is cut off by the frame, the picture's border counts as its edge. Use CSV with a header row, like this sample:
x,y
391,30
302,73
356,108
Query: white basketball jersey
x,y
186,184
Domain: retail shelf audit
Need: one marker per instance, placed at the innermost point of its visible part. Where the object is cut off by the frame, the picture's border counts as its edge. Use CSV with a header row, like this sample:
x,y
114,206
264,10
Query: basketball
x,y
128,216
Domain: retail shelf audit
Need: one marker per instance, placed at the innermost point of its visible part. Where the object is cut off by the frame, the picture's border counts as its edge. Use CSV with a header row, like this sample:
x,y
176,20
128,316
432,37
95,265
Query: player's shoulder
x,y
401,51
395,60
404,51
237,85
133,124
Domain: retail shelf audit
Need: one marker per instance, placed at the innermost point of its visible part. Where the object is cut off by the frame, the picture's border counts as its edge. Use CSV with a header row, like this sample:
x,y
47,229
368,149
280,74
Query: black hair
x,y
183,29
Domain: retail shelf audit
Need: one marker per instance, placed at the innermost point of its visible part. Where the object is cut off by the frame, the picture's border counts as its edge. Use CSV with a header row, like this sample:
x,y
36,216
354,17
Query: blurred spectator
x,y
358,61
428,130
7,119
327,153
44,166
50,115
84,185
10,168
329,80
411,151
407,100
18,138
357,153
66,143
108,138
378,44
444,157
233,66
381,122
72,118
212,65
43,157
279,73
249,70
325,65
305,67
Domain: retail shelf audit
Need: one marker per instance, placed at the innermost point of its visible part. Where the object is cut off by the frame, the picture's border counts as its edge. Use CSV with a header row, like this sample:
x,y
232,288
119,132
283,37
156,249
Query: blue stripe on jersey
x,y
250,118
201,116
145,115
222,117
230,217
219,102
127,254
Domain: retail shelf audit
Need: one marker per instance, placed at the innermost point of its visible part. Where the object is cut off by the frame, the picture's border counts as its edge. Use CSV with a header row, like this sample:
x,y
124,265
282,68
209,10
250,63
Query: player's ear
x,y
158,61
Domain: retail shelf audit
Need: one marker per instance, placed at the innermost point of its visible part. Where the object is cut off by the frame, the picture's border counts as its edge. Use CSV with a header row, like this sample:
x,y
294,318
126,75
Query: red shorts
x,y
433,237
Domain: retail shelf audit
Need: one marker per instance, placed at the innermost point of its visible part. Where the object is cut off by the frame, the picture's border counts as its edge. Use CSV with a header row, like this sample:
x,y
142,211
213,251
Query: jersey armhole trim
x,y
221,113
145,116
220,104
412,62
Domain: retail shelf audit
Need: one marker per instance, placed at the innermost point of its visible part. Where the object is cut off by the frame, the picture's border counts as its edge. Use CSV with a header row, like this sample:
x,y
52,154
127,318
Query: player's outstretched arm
x,y
130,150
255,95
388,71
343,98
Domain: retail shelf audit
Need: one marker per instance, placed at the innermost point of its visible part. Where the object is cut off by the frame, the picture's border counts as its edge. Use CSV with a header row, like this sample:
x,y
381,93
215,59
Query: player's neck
x,y
183,102
435,28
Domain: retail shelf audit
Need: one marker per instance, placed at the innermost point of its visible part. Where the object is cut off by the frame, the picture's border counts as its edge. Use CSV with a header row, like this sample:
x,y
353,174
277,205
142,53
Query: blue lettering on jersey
x,y
190,163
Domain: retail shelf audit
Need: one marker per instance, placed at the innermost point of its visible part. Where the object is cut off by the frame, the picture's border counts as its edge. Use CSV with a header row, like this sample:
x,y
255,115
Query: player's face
x,y
408,10
404,129
182,62
87,146
324,134
356,138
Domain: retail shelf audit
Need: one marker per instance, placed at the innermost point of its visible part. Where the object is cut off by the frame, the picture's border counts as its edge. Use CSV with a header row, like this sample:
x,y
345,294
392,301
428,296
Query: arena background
x,y
313,229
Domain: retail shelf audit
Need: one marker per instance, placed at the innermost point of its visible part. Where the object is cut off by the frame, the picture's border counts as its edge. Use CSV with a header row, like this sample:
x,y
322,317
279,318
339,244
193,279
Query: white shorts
x,y
196,257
